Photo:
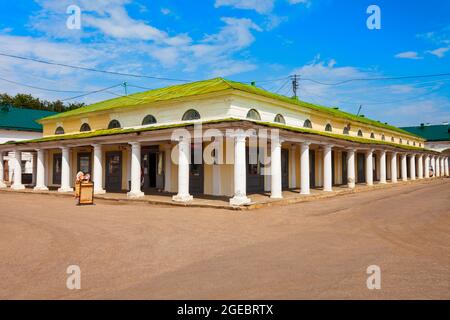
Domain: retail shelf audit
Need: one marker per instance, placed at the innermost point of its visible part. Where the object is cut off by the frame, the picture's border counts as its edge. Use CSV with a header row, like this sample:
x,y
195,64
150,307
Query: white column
x,y
98,170
404,168
394,167
17,185
65,171
437,170
267,175
304,168
167,168
442,167
135,191
327,170
369,167
412,166
383,166
2,171
446,166
34,166
420,166
184,159
293,173
351,180
426,170
40,171
276,179
240,171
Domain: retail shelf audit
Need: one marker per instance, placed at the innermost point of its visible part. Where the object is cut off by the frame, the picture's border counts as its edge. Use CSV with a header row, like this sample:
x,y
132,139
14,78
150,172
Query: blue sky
x,y
243,40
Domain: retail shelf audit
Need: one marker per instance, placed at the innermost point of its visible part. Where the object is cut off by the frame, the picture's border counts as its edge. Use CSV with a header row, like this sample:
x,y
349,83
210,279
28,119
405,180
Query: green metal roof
x,y
209,86
431,132
12,118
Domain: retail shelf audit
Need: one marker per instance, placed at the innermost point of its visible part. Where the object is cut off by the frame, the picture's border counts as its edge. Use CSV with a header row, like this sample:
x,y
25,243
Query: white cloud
x,y
165,11
305,2
440,52
260,6
408,55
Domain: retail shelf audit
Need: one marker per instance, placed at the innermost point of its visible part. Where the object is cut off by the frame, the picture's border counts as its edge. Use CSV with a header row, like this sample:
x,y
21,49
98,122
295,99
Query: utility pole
x,y
295,85
125,87
359,110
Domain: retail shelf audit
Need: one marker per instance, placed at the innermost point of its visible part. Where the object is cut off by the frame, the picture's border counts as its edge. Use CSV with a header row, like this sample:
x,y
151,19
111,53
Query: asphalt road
x,y
314,250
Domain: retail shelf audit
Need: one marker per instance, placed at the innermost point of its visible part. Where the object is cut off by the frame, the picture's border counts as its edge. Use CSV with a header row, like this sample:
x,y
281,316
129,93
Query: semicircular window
x,y
383,137
328,128
280,119
346,130
85,127
360,134
149,119
372,135
59,130
407,142
414,143
307,124
253,114
392,139
400,140
114,124
191,114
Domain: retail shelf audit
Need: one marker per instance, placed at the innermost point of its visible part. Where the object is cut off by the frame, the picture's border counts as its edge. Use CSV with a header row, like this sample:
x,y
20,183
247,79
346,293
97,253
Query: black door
x,y
375,167
361,163
312,168
408,167
344,168
255,180
113,172
84,162
196,172
285,168
57,164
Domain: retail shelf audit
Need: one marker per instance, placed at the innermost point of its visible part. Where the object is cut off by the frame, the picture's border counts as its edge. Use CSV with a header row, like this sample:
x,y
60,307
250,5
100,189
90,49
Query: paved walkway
x,y
258,200
312,250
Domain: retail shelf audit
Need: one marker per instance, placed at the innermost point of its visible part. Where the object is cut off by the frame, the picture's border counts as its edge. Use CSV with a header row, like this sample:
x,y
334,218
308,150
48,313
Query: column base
x,y
65,189
276,196
182,198
40,188
305,193
351,185
2,185
239,201
17,187
100,191
135,194
383,182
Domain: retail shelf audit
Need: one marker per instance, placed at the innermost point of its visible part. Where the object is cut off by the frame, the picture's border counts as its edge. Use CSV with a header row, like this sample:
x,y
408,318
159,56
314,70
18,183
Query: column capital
x,y
328,147
134,144
305,144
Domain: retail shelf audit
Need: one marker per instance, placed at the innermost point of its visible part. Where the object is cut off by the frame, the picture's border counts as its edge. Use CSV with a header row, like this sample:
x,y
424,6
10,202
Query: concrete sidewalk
x,y
259,200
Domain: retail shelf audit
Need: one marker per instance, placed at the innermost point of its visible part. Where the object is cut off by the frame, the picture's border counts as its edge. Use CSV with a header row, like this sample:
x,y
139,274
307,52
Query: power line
x,y
377,79
92,92
93,69
40,88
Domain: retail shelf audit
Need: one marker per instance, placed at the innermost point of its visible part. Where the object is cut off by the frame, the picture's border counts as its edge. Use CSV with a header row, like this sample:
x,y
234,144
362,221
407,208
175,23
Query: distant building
x,y
437,136
17,124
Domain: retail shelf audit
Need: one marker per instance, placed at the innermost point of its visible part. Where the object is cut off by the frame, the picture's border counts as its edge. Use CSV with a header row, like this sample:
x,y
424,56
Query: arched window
x,y
414,143
420,144
383,137
400,140
149,119
328,127
372,135
346,130
392,139
280,119
307,124
85,127
360,134
191,114
407,142
59,130
253,114
114,124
